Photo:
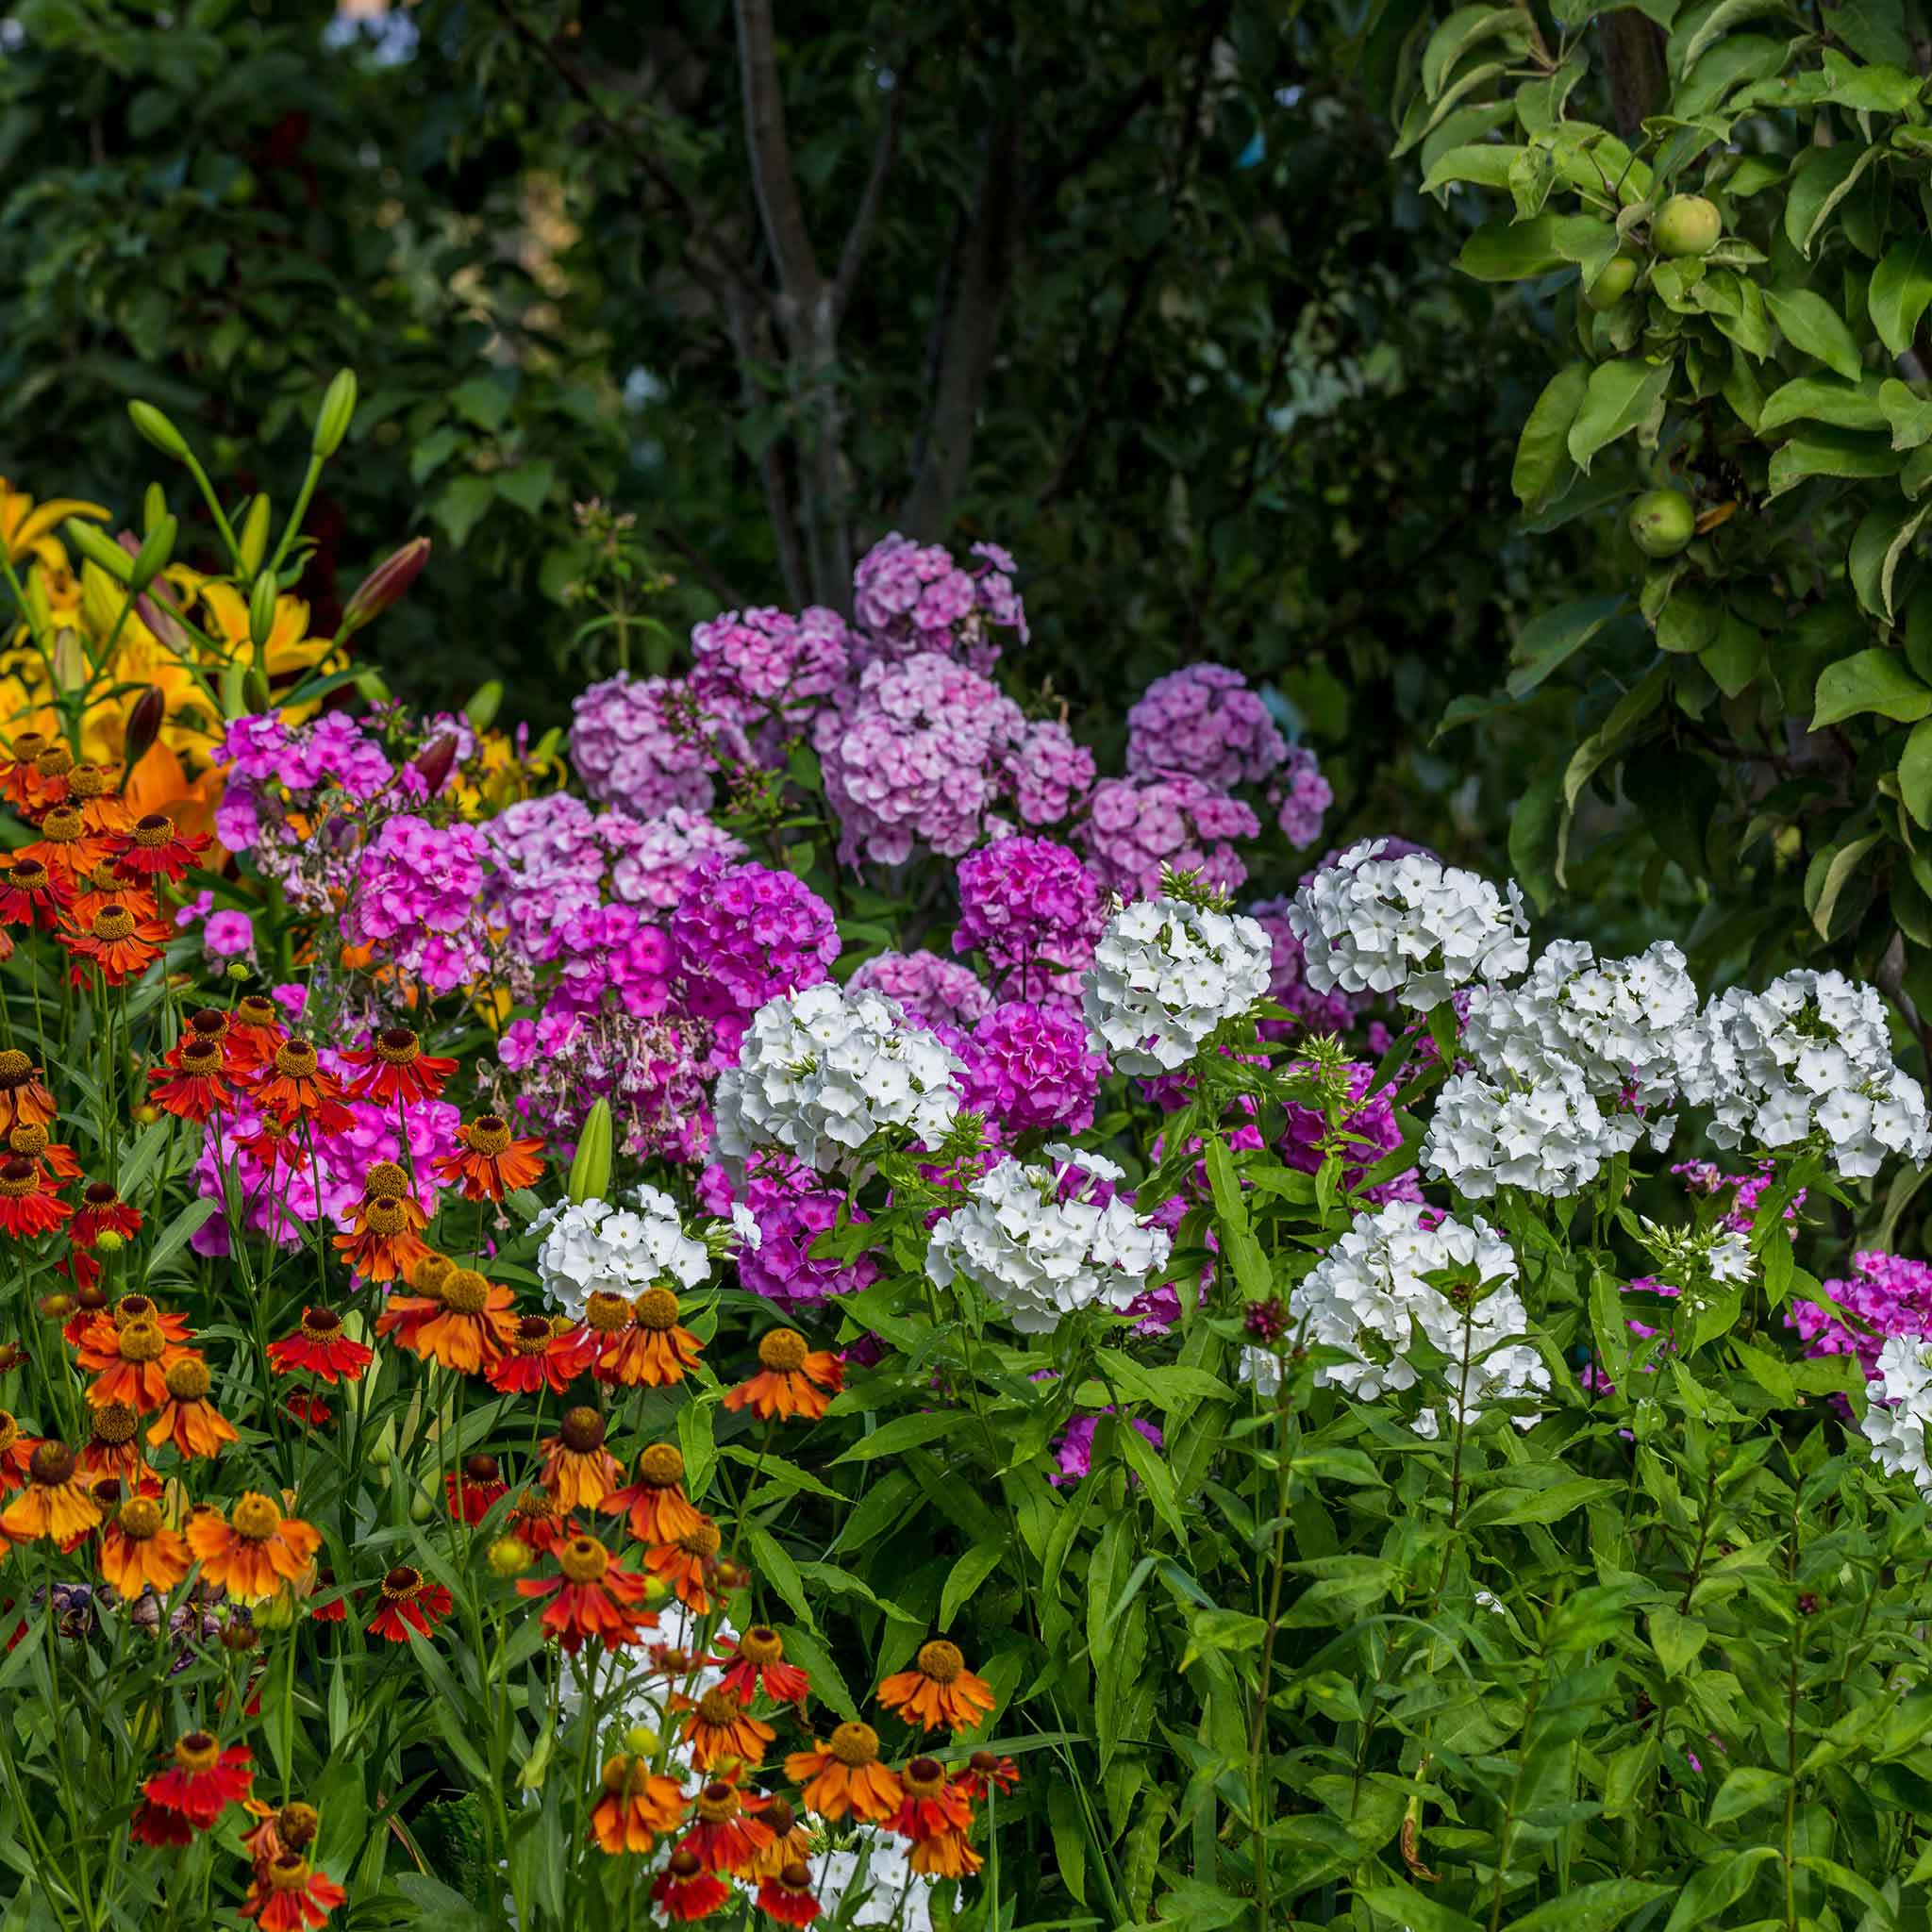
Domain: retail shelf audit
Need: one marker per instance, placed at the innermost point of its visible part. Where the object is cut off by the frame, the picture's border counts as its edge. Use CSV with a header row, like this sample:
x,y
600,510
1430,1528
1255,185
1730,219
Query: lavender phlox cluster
x,y
1165,975
791,1207
773,668
1135,827
1547,1134
658,856
1032,910
743,934
911,597
646,744
1204,721
1370,1294
1898,1407
616,1248
1318,1013
1411,927
1046,771
821,1071
1368,1131
654,1071
940,993
1810,1055
1300,796
1890,1294
417,889
1041,1244
916,756
1028,1065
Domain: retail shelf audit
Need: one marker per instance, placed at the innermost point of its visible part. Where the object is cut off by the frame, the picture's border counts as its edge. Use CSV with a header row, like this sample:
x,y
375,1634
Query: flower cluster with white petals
x,y
1411,927
821,1071
1618,1022
1165,975
1038,1241
596,1246
1371,1293
1899,1406
872,1883
1811,1055
1549,1135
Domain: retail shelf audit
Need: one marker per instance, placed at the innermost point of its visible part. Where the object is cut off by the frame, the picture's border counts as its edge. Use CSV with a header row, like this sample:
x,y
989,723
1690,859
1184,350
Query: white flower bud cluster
x,y
1036,1241
1809,1056
589,1246
1165,975
821,1071
1898,1407
1409,927
1370,1294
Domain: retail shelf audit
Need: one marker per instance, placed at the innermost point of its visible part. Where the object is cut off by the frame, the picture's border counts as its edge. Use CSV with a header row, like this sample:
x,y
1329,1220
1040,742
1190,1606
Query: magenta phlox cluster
x,y
1074,1452
1033,910
1028,1065
940,992
1133,827
655,1072
1889,1294
912,597
417,889
609,953
644,744
1368,1132
744,933
1203,722
792,1207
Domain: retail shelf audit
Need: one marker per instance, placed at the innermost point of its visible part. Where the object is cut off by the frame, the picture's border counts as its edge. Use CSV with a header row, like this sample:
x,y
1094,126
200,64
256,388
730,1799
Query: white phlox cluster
x,y
596,1245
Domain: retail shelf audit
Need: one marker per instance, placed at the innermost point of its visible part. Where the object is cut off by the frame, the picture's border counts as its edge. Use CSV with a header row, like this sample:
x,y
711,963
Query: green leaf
x,y
1744,1790
1542,454
1817,399
1828,876
1900,291
1883,537
175,1235
460,504
901,1433
1591,1907
1465,28
1872,681
1677,1640
1621,394
803,1648
1915,773
1810,323
1155,1476
1414,1909
695,1442
1502,1507
1068,1837
1515,251
527,486
1831,453
966,1575
1551,639
481,400
777,1569
1714,1887
1486,163
1223,1630
1534,828
1715,25
1906,415
1821,179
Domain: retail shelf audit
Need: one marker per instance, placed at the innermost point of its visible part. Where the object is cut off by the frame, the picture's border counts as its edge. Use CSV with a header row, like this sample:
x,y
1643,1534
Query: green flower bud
x,y
332,419
159,430
485,701
99,549
590,1171
261,608
255,534
152,557
153,507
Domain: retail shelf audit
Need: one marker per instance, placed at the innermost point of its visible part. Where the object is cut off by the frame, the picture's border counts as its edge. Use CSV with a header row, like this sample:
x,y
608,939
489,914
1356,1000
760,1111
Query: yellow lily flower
x,y
23,526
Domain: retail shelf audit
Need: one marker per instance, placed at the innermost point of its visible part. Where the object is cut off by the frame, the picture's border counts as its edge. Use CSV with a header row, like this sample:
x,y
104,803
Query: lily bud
x,y
71,669
99,549
254,533
435,761
384,585
261,608
159,430
332,419
255,689
153,507
152,559
485,701
590,1169
145,718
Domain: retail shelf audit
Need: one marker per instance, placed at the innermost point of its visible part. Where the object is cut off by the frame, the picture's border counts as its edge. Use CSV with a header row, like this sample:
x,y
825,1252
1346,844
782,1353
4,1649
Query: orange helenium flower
x,y
686,1891
32,895
201,1781
724,1837
637,1804
844,1774
101,1212
294,1087
656,1349
786,1894
256,1031
193,1087
394,1068
53,1505
91,790
541,1355
937,1689
129,1361
686,1561
65,846
409,1602
24,1099
151,848
16,1450
29,1207
793,1380
490,1161
291,1895
657,1505
137,1549
591,1596
384,1245
719,1726
985,1772
577,1469
253,1550
470,1327
188,1418
475,1490
933,1805
320,1346
115,940
760,1665
110,1449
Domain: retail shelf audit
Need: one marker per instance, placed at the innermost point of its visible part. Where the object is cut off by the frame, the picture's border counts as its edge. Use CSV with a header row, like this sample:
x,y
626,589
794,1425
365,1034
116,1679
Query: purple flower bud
x,y
385,585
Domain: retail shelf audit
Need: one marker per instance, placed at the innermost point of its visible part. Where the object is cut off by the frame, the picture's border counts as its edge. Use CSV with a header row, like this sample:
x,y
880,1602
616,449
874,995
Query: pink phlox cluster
x,y
644,744
743,934
654,1071
1300,796
610,955
658,856
1135,826
1028,1065
911,597
792,1209
1368,1132
1890,1293
940,992
771,669
1033,910
1203,722
417,889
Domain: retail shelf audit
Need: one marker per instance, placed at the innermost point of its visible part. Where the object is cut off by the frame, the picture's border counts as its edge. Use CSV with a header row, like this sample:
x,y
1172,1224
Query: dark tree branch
x,y
858,237
773,181
771,464
725,270
1041,194
1633,46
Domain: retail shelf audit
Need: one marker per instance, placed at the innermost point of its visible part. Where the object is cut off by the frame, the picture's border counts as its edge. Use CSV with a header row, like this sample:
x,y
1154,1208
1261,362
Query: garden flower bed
x,y
806,1306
